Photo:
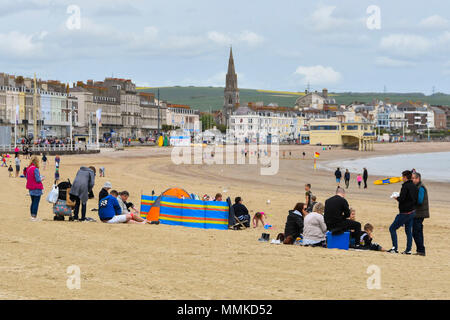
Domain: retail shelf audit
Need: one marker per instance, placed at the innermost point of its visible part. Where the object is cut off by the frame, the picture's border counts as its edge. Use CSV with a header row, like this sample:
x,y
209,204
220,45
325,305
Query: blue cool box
x,y
338,242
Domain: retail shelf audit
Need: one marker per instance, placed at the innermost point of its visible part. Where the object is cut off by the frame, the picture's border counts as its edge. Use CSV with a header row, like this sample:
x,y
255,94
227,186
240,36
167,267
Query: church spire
x,y
231,63
231,79
231,94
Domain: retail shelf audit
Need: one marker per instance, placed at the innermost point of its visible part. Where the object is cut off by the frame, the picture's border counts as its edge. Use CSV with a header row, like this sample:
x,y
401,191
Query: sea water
x,y
432,166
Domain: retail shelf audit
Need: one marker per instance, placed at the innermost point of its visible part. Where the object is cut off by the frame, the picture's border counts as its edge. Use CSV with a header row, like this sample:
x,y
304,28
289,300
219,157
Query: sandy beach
x,y
165,262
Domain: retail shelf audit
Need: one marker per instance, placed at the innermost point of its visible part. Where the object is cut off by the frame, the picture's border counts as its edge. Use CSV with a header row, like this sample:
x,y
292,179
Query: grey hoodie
x,y
83,183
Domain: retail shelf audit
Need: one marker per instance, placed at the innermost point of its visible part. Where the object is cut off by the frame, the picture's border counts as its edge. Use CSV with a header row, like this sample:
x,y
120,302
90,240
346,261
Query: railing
x,y
50,148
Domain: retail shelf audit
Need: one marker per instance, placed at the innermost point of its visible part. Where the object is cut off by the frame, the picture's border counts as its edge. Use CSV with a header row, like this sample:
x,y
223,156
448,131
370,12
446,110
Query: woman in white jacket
x,y
315,229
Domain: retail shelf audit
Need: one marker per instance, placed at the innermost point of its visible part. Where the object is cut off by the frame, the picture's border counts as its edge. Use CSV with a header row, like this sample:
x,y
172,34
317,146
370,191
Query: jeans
x,y
400,220
76,210
417,231
34,205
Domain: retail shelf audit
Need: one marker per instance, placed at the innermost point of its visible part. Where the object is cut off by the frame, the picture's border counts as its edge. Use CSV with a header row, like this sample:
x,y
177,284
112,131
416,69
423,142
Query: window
x,y
352,127
324,127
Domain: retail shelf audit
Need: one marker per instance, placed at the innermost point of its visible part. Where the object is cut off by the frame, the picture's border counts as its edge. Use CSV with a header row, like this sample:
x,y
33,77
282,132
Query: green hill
x,y
211,98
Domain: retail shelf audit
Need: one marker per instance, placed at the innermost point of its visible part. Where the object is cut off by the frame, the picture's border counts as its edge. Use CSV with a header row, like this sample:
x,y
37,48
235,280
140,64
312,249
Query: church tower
x,y
231,94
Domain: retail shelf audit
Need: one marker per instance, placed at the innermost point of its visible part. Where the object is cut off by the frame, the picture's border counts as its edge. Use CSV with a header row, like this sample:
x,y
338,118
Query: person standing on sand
x,y
35,187
422,212
44,161
17,162
407,212
359,179
347,178
81,187
308,199
365,177
338,175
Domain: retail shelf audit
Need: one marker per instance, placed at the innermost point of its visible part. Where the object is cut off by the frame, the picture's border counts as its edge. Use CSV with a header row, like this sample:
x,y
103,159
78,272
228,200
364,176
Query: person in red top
x,y
34,185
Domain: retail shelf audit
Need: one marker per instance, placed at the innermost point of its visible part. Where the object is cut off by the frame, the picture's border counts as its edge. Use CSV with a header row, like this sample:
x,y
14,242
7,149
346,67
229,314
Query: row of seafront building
x,y
125,111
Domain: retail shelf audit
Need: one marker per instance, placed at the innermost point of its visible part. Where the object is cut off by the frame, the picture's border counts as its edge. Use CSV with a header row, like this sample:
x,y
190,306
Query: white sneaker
x,y
34,219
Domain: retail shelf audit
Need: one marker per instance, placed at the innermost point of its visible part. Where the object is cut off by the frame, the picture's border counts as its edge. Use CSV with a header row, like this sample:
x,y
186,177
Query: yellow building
x,y
349,134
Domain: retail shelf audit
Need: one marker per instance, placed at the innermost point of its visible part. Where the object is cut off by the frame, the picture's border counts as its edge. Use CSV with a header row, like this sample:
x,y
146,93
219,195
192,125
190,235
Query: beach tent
x,y
176,207
150,206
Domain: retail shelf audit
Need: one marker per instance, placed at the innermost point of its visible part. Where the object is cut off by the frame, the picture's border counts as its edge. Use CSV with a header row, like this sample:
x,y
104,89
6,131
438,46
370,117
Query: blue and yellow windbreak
x,y
188,213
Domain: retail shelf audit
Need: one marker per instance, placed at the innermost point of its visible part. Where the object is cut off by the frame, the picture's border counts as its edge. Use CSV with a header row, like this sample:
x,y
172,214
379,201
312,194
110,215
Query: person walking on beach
x,y
422,212
365,177
407,212
338,175
81,188
347,178
35,187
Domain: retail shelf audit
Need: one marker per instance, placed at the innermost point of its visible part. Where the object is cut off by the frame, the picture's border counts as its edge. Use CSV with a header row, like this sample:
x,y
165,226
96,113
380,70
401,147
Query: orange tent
x,y
153,214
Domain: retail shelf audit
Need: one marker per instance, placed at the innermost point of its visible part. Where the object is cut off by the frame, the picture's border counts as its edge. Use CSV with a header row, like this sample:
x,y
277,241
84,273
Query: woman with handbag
x,y
81,191
35,187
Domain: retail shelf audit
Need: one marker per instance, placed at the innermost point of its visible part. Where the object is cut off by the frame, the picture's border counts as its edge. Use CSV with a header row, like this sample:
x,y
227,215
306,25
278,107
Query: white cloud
x,y
318,75
248,37
251,38
406,45
322,19
434,22
393,63
17,44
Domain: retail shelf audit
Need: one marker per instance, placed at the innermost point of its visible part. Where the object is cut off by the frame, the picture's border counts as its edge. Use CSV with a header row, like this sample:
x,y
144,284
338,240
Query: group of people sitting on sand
x,y
308,223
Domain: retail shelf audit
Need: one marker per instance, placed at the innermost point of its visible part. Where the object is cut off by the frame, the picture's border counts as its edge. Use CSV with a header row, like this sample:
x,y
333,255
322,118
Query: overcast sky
x,y
278,45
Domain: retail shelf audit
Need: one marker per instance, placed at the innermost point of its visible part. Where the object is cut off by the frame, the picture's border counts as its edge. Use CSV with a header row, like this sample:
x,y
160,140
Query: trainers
x,y
34,219
393,250
407,252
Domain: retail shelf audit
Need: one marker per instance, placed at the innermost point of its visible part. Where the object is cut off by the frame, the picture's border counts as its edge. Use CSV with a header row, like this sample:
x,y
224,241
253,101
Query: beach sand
x,y
166,262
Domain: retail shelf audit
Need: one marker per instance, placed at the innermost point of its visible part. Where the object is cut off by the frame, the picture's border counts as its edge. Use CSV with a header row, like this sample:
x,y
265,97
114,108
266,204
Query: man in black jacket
x,y
337,212
422,212
407,211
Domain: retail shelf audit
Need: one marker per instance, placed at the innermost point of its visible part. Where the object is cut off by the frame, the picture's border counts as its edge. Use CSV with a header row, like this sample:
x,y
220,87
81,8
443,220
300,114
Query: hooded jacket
x,y
294,224
83,183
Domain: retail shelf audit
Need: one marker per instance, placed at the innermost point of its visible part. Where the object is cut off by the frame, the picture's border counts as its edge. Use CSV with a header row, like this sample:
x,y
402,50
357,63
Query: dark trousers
x,y
365,183
400,220
76,209
417,231
34,205
347,183
348,225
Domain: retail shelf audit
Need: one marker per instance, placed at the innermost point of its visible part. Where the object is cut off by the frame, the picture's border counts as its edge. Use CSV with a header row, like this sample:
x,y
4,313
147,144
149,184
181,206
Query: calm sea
x,y
432,166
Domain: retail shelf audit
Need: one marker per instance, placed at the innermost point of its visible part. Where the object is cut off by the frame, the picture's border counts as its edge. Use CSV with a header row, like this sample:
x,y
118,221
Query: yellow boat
x,y
388,181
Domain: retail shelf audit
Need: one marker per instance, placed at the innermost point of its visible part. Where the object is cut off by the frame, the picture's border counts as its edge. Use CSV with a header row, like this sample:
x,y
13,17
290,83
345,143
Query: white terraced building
x,y
251,125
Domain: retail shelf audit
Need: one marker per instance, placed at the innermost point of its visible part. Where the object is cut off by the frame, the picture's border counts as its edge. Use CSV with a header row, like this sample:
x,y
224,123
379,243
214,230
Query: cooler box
x,y
338,242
